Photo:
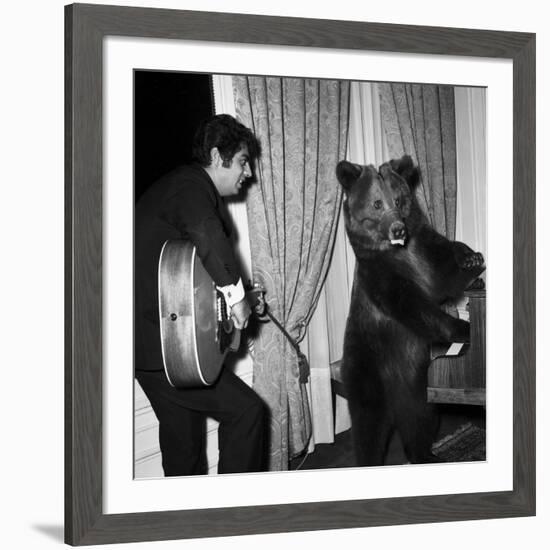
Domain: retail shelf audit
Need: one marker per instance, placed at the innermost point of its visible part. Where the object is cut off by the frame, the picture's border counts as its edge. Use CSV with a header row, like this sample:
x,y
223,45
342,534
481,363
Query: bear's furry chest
x,y
411,262
388,271
379,332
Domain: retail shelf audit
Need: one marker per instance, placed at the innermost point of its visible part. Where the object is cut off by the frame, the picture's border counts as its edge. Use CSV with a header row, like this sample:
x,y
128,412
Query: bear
x,y
404,272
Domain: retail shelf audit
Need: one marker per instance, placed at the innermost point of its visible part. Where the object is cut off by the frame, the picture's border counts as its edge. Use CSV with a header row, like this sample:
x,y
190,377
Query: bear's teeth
x,y
398,241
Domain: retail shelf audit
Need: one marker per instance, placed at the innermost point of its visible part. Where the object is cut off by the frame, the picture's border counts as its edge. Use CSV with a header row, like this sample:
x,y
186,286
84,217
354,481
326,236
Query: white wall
x,y
31,111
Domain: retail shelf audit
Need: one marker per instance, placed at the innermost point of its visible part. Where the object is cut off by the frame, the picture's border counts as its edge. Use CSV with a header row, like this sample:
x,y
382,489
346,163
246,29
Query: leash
x,y
303,364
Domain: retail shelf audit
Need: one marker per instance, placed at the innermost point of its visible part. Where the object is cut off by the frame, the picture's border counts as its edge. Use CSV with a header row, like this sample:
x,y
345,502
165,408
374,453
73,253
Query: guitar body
x,y
189,318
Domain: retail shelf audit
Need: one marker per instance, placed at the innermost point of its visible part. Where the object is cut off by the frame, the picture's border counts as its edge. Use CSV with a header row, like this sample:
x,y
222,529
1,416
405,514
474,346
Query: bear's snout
x,y
393,227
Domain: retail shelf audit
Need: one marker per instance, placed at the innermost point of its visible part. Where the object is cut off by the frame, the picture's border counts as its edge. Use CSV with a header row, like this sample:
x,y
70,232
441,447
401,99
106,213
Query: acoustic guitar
x,y
195,328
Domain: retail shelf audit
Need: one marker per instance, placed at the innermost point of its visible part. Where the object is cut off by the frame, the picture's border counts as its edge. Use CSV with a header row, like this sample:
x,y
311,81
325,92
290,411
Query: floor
x,y
340,453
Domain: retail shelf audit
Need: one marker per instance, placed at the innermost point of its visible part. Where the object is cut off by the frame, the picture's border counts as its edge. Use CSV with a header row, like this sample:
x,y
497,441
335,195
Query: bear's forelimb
x,y
403,301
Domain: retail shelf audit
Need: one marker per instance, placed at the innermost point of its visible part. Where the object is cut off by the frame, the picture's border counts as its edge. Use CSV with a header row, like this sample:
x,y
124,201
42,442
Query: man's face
x,y
229,180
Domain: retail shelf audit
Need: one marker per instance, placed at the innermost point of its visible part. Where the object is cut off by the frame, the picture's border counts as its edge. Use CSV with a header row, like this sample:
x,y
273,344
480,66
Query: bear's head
x,y
379,206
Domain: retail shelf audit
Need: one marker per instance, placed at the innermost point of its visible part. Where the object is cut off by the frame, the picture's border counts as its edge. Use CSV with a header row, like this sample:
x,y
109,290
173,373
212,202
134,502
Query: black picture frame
x,y
85,28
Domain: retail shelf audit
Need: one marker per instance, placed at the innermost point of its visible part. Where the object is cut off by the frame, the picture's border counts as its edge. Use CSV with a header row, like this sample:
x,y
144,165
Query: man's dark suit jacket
x,y
184,204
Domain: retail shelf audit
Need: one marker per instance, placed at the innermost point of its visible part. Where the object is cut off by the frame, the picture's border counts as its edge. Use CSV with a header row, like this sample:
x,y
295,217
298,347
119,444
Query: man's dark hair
x,y
228,135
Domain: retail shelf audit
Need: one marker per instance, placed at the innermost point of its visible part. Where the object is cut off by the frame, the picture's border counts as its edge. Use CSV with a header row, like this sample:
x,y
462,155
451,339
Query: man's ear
x,y
347,173
215,158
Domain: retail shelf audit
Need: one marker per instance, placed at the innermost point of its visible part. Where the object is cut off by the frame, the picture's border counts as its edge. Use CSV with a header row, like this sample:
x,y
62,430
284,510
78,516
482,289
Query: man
x,y
187,203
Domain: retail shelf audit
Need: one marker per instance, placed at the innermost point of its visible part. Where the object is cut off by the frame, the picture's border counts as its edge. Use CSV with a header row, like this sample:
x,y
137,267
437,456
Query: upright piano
x,y
457,373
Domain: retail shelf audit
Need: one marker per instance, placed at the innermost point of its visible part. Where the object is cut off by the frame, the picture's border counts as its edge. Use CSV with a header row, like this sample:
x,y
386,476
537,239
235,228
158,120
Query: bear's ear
x,y
407,170
347,173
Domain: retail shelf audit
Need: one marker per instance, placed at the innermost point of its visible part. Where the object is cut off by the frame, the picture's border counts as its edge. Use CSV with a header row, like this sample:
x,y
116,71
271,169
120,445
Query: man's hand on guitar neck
x,y
240,313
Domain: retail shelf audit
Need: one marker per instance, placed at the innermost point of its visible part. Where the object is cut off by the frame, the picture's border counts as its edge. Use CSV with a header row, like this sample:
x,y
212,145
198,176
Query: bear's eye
x,y
397,202
378,204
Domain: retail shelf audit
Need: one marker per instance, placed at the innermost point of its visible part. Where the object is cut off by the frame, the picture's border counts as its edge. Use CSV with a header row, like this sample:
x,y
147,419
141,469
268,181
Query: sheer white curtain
x,y
471,200
323,343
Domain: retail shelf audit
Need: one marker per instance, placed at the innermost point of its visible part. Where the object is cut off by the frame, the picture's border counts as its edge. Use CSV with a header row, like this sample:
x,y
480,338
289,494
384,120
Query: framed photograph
x,y
138,81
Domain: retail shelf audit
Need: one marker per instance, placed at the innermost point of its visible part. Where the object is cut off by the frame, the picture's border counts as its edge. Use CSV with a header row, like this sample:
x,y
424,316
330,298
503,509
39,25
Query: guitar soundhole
x,y
173,316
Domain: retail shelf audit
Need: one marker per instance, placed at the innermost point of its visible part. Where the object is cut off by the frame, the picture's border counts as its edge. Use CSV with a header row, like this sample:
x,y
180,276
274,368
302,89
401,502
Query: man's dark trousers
x,y
240,411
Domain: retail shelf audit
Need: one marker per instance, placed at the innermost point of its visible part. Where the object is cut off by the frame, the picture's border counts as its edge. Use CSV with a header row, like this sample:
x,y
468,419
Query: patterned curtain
x,y
293,215
419,120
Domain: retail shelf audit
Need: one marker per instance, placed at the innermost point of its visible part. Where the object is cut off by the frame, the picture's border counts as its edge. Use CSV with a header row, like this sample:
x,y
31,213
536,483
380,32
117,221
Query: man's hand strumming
x,y
240,313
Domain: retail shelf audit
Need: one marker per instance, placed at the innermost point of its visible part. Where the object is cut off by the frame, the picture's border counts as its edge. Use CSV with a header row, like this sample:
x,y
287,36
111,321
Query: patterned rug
x,y
467,444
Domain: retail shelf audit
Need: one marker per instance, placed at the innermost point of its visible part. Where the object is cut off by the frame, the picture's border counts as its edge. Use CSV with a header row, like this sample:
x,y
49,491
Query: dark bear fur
x,y
395,312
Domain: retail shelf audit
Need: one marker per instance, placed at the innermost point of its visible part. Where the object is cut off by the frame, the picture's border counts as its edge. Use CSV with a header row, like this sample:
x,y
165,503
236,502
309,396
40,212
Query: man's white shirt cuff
x,y
233,294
